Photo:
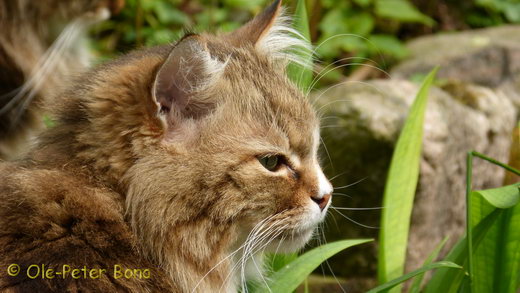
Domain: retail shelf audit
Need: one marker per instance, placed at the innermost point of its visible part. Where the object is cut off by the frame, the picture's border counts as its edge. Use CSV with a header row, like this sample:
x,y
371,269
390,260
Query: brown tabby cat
x,y
173,169
40,46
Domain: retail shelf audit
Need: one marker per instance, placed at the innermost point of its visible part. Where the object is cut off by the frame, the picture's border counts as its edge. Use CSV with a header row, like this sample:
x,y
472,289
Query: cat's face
x,y
238,148
261,141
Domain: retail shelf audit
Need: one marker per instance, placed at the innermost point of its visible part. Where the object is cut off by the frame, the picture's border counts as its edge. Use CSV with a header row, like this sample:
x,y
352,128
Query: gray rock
x,y
361,123
489,57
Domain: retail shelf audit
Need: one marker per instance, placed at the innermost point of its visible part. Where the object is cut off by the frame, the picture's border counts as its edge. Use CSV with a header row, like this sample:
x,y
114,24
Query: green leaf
x,y
400,190
416,285
293,274
502,197
447,281
512,12
360,24
301,75
389,285
277,261
401,10
389,45
363,3
495,261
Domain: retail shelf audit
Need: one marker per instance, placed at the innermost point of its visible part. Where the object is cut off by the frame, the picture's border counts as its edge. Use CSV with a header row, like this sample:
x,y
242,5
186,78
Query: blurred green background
x,y
350,33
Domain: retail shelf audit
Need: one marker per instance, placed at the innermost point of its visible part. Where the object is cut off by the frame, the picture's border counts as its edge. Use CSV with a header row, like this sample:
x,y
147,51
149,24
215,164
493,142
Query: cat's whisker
x,y
328,264
40,69
255,238
337,175
351,184
354,221
279,231
358,209
345,82
332,102
215,266
352,35
332,126
328,117
352,64
341,194
327,152
250,253
318,71
327,70
70,33
227,257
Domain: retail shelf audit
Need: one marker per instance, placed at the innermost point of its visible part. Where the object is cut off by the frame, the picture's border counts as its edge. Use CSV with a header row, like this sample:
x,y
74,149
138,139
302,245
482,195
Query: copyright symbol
x,y
13,270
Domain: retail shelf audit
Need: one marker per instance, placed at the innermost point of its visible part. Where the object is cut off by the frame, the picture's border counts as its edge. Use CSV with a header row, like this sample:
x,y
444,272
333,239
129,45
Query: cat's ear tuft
x,y
270,32
253,32
187,72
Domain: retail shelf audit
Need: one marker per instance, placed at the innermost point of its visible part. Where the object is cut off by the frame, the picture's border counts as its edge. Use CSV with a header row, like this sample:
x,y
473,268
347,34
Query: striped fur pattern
x,y
155,163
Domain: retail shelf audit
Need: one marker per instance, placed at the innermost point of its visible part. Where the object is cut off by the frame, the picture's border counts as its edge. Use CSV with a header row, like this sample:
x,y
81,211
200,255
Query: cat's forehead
x,y
274,103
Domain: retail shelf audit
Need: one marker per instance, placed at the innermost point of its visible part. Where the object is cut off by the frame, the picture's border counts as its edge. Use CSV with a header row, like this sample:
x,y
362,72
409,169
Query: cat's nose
x,y
321,201
324,194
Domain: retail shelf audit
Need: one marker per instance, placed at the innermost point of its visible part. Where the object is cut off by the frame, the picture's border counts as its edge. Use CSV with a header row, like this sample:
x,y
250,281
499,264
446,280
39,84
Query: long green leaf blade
x,y
293,274
301,75
400,190
389,285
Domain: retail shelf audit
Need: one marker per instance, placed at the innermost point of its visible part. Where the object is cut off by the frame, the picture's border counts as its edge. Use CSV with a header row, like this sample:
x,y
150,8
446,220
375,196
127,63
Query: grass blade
x,y
400,190
416,285
389,285
293,274
301,75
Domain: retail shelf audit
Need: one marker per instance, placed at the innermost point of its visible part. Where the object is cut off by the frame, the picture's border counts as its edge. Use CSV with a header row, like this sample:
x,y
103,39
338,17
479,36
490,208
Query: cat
x,y
180,165
41,44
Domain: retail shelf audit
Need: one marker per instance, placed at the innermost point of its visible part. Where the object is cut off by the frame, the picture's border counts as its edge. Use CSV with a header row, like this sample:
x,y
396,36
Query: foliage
x,y
343,29
287,278
400,190
365,28
348,33
494,12
148,23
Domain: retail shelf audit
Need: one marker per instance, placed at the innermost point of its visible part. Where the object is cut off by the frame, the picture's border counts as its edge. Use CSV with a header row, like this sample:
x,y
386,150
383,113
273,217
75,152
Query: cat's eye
x,y
271,162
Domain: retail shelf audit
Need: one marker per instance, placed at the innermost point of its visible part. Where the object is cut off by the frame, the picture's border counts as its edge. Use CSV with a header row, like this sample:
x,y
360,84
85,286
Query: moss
x,y
460,92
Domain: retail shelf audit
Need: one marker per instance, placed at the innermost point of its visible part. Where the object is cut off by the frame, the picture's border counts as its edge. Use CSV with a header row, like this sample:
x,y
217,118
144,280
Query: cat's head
x,y
212,138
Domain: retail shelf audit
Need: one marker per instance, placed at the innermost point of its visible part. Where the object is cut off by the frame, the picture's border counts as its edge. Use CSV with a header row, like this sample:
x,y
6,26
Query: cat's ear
x,y
271,33
186,73
256,30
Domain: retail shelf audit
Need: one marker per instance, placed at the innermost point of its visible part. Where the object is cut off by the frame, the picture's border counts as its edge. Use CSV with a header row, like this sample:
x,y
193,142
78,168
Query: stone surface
x,y
489,57
361,123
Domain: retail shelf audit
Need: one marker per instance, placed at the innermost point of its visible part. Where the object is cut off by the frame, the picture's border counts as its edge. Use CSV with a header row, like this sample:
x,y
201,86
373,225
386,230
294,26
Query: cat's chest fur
x,y
54,219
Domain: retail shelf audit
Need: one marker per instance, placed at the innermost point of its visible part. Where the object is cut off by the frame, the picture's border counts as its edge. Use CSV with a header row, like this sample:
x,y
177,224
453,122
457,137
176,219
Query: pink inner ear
x,y
182,71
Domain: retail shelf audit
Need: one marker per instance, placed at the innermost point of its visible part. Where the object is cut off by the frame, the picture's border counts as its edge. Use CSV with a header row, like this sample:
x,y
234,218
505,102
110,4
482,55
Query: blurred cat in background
x,y
41,46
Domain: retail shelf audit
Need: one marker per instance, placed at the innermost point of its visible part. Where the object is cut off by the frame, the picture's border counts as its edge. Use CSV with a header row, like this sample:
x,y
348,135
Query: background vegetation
x,y
350,33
